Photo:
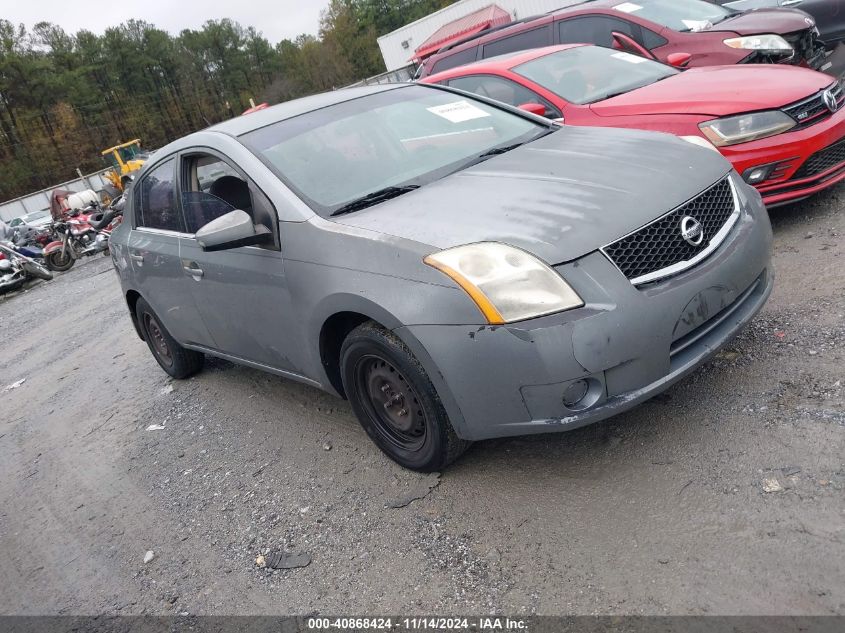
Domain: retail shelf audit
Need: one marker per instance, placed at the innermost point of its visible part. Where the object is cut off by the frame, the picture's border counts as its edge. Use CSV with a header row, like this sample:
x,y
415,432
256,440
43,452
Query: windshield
x,y
129,152
111,160
587,74
407,136
678,15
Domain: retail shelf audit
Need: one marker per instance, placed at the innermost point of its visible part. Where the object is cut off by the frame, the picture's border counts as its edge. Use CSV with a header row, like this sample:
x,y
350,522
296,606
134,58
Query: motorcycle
x,y
16,269
82,232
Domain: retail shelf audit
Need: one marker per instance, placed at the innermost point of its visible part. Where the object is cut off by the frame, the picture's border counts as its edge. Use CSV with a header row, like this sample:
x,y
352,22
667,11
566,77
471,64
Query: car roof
x,y
491,35
289,109
502,62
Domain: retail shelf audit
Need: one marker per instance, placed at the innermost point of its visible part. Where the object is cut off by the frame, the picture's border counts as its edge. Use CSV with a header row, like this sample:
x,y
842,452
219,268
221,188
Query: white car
x,y
36,218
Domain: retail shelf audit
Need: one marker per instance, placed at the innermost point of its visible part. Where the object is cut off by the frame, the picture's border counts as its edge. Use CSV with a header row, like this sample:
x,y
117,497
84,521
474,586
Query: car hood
x,y
718,91
758,21
560,197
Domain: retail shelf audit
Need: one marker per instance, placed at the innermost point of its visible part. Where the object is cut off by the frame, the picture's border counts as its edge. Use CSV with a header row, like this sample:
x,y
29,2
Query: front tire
x,y
59,263
174,359
395,401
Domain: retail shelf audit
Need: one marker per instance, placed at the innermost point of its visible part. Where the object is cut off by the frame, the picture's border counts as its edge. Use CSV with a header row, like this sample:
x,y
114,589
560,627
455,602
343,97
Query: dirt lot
x,y
724,495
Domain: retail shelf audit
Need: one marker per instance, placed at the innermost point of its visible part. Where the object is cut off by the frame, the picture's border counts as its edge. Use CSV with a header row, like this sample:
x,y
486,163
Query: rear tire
x,y
58,263
174,359
395,401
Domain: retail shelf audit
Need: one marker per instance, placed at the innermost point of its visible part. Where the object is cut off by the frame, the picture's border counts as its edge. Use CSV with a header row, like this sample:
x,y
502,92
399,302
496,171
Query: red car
x,y
782,127
679,32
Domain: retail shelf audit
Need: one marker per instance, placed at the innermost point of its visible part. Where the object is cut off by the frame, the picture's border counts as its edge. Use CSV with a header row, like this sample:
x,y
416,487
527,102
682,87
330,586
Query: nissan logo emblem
x,y
692,231
830,100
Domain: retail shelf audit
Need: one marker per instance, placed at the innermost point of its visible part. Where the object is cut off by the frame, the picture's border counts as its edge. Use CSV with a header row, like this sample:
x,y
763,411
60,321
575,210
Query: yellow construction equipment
x,y
124,159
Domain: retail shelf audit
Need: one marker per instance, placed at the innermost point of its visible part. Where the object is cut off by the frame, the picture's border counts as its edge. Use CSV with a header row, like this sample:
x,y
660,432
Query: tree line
x,y
65,97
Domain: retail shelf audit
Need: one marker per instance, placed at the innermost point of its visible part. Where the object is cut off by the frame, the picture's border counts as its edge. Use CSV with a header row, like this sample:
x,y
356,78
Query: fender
x,y
52,247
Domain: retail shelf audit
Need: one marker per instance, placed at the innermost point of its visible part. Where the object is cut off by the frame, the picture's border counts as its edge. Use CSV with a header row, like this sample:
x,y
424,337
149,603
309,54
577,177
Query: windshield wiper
x,y
373,198
496,151
499,150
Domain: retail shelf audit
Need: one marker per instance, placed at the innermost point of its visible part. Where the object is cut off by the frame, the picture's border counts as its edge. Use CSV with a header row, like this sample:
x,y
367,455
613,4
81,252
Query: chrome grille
x,y
822,161
658,249
814,110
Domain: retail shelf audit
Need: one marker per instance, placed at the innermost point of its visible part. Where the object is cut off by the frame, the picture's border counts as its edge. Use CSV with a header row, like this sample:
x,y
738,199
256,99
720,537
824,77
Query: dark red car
x,y
782,127
679,32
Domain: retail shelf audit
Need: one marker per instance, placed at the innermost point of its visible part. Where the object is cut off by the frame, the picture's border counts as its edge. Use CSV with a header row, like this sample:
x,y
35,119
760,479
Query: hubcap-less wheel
x,y
160,346
58,262
391,402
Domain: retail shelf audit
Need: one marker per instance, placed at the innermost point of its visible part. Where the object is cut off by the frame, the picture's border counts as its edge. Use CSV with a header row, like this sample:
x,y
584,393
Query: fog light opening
x,y
575,393
772,171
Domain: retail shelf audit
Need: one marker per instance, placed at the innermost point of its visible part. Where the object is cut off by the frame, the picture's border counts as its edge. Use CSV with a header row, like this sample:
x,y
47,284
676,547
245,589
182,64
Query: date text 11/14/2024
x,y
481,624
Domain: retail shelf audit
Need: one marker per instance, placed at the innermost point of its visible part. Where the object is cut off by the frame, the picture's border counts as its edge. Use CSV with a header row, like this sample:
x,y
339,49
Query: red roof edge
x,y
470,24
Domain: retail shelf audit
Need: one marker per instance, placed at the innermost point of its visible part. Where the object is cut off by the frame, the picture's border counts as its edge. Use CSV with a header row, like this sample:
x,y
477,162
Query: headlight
x,y
507,284
771,42
746,127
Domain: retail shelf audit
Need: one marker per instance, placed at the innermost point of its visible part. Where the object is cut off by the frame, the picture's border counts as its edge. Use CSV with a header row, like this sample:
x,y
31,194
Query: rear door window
x,y
534,38
159,208
455,59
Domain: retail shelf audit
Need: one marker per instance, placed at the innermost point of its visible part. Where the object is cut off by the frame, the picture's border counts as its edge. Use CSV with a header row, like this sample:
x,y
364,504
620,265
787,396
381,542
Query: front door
x,y
242,293
154,256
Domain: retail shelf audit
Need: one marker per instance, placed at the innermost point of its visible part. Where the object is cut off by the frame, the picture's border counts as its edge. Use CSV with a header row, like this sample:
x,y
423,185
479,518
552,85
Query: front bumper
x,y
626,343
792,150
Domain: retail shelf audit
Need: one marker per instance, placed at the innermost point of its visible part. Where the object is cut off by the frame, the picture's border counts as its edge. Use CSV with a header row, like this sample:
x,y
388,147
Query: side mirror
x,y
232,230
534,108
679,60
627,44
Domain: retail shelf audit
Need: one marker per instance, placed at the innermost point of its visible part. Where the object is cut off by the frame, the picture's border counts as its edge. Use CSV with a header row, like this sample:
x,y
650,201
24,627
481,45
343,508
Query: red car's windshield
x,y
587,74
678,15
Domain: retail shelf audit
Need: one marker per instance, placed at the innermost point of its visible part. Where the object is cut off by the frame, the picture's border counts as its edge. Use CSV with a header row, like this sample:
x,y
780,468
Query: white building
x,y
398,47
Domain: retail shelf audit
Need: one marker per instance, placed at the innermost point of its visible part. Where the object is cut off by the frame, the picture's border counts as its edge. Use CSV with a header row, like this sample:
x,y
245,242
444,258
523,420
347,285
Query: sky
x,y
276,19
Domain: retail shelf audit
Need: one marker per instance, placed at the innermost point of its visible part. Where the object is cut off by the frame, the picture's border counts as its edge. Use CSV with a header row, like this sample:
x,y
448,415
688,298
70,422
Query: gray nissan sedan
x,y
456,268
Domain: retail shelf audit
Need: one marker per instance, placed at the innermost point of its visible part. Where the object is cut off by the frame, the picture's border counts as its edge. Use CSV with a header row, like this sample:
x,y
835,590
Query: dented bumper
x,y
625,345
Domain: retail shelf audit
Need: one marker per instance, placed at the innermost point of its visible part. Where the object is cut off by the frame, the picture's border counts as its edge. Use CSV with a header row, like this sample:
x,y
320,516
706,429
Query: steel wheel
x,y
391,403
158,343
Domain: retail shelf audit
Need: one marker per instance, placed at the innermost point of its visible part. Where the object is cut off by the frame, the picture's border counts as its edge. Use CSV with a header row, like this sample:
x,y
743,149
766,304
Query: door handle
x,y
137,258
195,272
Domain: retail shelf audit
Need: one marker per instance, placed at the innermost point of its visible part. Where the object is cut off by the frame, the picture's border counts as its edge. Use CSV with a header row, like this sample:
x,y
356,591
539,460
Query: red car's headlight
x,y
746,127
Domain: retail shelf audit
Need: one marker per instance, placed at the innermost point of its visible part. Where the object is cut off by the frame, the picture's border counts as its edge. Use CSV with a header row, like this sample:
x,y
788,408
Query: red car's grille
x,y
814,110
660,245
822,161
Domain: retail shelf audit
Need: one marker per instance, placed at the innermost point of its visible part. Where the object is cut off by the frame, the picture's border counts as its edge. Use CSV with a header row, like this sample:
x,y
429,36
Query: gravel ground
x,y
722,496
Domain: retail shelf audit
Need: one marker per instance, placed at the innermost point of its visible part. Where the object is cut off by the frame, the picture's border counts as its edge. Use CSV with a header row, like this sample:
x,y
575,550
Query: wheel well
x,y
131,301
335,330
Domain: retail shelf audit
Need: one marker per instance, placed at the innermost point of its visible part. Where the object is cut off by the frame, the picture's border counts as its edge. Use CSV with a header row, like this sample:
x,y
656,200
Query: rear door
x,y
154,254
242,293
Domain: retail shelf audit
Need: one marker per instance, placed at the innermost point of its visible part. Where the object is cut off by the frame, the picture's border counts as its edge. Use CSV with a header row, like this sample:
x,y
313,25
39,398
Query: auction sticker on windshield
x,y
627,7
458,112
631,59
